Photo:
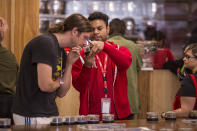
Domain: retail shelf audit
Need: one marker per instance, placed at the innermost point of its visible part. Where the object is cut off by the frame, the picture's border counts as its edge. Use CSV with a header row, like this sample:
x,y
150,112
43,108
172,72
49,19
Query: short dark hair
x,y
99,16
117,26
151,33
159,36
75,20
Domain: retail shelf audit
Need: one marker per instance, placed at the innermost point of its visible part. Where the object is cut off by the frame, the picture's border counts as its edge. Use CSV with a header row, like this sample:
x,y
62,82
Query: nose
x,y
96,31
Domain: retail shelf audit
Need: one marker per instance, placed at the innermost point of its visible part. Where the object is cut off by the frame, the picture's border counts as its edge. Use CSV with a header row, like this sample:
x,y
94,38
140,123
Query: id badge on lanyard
x,y
105,105
105,102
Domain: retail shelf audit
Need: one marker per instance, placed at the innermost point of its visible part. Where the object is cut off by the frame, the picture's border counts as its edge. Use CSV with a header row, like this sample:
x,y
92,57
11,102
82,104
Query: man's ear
x,y
75,31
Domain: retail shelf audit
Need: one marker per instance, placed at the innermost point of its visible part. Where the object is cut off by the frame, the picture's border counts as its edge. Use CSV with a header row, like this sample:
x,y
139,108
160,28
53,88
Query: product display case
x,y
51,12
176,18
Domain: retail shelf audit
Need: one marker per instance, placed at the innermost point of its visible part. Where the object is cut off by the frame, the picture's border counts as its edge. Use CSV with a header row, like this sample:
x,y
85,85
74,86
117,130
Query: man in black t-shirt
x,y
45,70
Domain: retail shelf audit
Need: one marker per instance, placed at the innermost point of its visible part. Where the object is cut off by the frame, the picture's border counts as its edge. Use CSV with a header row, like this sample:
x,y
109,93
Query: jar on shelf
x,y
149,48
43,6
56,7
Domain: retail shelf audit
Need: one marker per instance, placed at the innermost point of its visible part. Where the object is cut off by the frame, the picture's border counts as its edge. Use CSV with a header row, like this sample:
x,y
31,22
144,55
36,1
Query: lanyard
x,y
61,55
103,71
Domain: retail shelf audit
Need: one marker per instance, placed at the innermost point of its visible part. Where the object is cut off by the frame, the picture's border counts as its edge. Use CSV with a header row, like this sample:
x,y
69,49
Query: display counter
x,y
156,126
157,90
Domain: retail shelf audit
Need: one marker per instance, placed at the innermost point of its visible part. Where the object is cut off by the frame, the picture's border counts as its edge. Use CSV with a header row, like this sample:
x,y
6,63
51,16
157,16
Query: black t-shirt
x,y
30,100
187,87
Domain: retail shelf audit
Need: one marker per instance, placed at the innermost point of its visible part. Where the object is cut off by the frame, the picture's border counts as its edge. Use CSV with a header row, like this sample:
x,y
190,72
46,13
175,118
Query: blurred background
x,y
176,18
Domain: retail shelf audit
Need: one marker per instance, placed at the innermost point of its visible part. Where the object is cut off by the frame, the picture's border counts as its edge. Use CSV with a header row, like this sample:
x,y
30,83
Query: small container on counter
x,y
81,119
69,120
5,123
152,116
56,121
93,119
193,114
170,115
108,118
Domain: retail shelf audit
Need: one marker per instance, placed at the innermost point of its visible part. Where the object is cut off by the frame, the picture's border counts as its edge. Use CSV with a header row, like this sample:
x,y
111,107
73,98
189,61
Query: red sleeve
x,y
80,76
170,55
121,57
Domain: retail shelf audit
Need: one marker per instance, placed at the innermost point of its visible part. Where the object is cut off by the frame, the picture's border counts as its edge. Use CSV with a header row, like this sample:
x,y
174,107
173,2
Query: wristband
x,y
61,82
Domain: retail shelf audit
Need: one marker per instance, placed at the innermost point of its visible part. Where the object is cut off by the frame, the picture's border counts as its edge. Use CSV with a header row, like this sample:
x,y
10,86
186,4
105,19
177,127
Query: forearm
x,y
182,112
65,81
187,105
45,81
50,87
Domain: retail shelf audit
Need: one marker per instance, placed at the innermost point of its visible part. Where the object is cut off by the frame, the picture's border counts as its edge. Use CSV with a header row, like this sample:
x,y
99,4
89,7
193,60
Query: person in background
x,y
45,70
102,80
130,29
117,31
8,75
186,97
162,55
177,66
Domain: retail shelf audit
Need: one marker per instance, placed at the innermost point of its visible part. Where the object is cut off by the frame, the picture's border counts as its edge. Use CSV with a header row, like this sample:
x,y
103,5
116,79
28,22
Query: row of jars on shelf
x,y
62,7
52,6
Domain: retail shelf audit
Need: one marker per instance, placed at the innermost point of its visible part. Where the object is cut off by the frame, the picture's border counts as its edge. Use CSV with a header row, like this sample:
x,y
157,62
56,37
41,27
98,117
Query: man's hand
x,y
96,46
74,54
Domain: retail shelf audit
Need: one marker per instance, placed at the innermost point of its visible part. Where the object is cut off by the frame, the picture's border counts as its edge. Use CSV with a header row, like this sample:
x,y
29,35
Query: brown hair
x,y
117,26
193,48
74,20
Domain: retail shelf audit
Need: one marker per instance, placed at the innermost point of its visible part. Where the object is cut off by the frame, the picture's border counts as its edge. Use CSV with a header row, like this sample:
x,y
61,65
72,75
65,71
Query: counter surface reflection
x,y
154,125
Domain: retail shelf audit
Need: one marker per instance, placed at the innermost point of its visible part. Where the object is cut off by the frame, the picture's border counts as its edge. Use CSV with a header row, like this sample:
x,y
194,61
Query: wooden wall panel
x,y
144,82
26,24
157,90
23,20
163,91
69,104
